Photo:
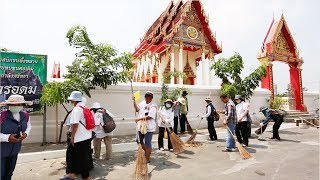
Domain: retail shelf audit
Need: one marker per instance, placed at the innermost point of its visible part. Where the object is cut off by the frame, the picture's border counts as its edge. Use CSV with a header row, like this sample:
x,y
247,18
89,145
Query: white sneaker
x,y
171,150
161,149
243,145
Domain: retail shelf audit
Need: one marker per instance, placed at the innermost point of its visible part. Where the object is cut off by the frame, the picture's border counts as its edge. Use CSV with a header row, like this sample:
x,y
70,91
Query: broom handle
x,y
310,123
199,124
135,112
165,124
231,133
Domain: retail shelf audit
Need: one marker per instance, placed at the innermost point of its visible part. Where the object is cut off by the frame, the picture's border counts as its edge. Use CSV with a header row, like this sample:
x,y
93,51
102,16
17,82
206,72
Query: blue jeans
x,y
230,141
146,139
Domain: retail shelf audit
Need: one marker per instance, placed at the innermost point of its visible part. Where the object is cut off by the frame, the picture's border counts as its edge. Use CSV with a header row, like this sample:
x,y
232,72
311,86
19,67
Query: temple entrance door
x,y
295,83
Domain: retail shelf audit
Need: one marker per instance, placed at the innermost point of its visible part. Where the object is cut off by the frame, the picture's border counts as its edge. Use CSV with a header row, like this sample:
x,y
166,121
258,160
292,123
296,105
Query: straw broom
x,y
244,154
141,170
193,136
177,143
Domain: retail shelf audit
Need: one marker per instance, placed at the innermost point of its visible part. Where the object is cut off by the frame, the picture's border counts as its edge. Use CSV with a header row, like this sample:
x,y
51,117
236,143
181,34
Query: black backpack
x,y
109,124
216,116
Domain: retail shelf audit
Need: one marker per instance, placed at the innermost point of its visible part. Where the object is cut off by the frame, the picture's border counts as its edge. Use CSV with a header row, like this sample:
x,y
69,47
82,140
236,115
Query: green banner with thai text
x,y
23,74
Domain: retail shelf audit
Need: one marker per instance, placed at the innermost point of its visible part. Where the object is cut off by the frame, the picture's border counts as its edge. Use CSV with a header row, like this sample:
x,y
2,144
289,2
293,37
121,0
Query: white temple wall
x,y
117,99
311,101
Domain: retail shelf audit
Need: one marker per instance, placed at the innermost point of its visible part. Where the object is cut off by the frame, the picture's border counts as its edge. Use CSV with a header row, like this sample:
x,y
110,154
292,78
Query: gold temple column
x,y
172,64
180,62
203,71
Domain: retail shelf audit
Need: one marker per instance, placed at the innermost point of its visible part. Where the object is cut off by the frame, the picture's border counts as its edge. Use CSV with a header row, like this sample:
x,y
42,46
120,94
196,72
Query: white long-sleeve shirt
x,y
208,112
16,116
167,115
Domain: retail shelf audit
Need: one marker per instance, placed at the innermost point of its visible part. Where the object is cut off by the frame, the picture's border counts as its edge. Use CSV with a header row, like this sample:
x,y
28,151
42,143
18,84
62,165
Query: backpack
x,y
90,124
216,116
109,124
4,113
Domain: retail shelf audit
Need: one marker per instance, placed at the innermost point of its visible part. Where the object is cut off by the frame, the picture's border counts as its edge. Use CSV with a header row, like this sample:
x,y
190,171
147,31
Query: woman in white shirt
x,y
166,114
243,124
100,134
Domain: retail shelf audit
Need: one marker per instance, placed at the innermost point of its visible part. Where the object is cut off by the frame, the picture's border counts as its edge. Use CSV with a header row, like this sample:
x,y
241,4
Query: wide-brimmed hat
x,y
184,93
168,100
239,97
75,96
208,99
96,105
263,109
15,99
182,101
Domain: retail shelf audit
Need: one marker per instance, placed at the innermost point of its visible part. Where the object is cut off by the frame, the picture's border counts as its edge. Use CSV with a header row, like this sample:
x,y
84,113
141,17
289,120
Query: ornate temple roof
x,y
168,23
279,40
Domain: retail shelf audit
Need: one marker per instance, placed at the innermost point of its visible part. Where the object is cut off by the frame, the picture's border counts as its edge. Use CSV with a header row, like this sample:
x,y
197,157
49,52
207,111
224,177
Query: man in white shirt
x,y
15,127
242,127
147,111
79,159
210,110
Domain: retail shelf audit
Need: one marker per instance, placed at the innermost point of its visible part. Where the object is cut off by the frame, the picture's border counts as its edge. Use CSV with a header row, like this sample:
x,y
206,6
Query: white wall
x,y
118,100
311,100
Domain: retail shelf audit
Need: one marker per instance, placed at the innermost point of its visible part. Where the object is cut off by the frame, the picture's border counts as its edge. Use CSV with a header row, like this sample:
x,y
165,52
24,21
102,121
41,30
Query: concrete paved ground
x,y
296,157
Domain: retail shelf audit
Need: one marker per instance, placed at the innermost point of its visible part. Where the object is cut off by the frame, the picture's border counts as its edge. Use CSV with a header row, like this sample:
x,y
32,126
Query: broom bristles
x,y
177,143
192,137
244,154
141,171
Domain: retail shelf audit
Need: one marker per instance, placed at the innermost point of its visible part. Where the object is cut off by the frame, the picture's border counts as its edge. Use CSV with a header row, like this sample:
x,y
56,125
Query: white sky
x,y
40,27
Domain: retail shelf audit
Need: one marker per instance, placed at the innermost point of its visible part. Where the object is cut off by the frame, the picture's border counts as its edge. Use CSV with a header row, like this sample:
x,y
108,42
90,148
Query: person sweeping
x,y
271,114
210,112
167,114
229,121
146,122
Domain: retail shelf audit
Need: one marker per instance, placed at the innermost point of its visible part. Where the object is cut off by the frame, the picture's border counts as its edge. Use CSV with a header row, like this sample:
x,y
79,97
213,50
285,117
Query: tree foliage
x,y
95,65
229,71
176,92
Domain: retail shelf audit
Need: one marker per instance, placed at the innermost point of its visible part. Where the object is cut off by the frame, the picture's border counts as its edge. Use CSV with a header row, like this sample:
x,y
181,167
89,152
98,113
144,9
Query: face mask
x,y
168,105
15,109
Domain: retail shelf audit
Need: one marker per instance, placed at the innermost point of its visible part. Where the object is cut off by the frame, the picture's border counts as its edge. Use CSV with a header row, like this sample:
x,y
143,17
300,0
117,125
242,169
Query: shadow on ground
x,y
289,132
120,160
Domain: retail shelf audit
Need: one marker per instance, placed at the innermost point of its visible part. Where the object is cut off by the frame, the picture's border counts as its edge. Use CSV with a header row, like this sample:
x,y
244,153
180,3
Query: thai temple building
x,y
180,40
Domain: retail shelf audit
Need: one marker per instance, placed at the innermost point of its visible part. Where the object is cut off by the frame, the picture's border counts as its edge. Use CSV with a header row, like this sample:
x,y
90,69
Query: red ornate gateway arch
x,y
279,45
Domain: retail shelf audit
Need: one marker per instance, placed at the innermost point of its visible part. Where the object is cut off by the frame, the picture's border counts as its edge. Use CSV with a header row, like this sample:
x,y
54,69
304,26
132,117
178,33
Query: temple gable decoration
x,y
279,45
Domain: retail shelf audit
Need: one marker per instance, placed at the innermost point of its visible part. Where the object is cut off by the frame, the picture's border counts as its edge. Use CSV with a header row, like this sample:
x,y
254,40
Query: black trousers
x,y
183,123
275,128
7,166
175,125
211,129
242,132
160,138
79,158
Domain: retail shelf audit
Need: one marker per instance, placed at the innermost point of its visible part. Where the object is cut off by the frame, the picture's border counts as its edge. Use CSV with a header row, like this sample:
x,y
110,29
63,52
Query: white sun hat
x,y
182,101
83,102
75,96
96,105
15,99
208,99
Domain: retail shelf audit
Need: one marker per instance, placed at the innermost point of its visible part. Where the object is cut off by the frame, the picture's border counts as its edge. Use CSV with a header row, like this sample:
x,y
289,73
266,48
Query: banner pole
x,y
44,125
